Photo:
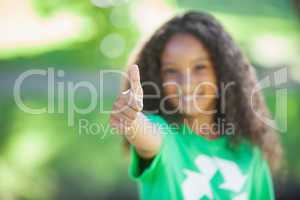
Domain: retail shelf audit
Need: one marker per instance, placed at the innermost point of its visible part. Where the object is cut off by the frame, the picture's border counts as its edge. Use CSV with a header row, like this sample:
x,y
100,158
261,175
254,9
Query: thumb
x,y
135,82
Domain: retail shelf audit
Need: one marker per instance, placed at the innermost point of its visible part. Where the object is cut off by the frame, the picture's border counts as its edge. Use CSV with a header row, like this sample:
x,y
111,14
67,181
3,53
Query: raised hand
x,y
128,105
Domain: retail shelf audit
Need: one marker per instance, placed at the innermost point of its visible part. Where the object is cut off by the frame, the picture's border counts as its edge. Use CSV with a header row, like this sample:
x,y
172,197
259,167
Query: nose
x,y
186,82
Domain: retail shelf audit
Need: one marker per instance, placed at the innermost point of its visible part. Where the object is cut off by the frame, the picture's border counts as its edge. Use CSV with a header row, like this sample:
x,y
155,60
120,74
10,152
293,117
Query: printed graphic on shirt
x,y
198,185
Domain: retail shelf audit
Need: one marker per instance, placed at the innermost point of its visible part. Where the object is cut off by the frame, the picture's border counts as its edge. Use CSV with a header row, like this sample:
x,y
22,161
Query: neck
x,y
202,125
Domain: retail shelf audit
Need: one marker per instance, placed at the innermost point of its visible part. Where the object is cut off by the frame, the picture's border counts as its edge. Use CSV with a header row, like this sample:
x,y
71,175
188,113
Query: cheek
x,y
170,85
206,85
206,75
171,94
206,82
170,90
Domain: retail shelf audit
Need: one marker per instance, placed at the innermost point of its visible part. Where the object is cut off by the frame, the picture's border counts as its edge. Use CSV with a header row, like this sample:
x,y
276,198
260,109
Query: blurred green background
x,y
41,157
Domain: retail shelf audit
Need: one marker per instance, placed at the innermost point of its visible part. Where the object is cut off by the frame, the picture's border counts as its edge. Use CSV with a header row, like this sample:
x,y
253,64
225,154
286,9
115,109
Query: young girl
x,y
189,116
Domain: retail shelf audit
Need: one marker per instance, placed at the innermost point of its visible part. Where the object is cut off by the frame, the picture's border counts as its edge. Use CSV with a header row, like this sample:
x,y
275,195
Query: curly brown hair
x,y
230,66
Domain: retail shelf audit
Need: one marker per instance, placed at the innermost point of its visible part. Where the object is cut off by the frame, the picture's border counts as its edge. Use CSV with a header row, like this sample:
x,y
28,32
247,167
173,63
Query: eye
x,y
199,67
169,71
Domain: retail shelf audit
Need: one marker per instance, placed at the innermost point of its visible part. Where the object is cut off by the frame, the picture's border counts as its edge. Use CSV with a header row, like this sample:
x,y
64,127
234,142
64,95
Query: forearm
x,y
145,136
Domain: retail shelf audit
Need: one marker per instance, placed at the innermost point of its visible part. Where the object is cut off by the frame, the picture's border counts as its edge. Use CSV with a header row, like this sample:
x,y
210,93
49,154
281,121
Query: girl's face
x,y
189,78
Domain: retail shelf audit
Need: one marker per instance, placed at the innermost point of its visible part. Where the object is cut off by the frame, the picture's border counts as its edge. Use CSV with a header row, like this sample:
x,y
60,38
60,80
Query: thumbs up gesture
x,y
129,104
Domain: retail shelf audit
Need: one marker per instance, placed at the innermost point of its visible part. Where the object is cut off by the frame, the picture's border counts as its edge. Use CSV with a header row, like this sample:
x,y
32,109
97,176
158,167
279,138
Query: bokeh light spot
x,y
113,45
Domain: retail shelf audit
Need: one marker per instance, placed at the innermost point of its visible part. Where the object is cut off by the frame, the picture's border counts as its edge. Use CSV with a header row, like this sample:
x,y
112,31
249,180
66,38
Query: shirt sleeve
x,y
263,179
152,168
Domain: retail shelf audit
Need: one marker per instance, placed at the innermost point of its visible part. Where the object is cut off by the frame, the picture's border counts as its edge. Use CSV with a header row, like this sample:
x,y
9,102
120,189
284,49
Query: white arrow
x,y
195,186
206,165
242,196
234,179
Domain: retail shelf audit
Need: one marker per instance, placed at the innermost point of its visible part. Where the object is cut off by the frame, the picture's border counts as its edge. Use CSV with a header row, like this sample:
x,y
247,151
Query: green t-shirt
x,y
189,166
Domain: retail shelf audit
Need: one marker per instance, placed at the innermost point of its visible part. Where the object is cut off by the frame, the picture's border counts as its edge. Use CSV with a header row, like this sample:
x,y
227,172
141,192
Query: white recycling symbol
x,y
197,185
